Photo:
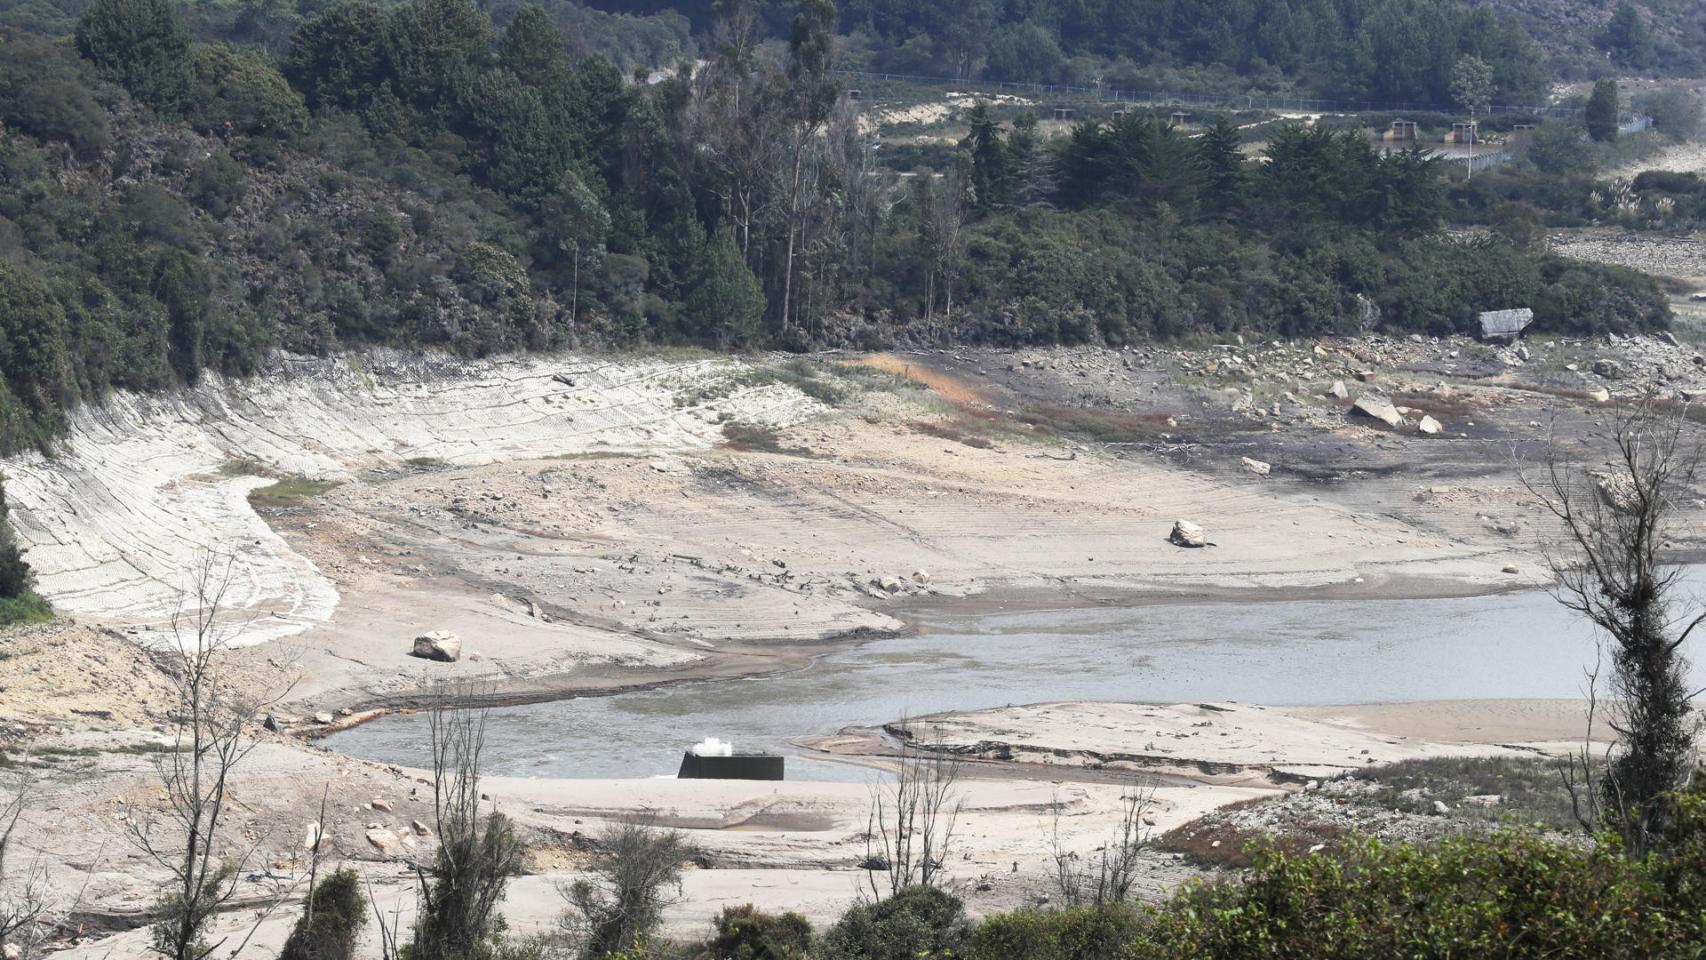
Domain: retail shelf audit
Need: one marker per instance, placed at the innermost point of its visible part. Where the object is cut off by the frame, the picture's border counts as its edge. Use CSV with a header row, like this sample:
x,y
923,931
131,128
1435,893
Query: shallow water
x,y
1285,653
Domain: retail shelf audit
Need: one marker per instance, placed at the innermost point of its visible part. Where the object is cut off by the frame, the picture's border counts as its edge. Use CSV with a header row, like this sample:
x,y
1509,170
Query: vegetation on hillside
x,y
410,174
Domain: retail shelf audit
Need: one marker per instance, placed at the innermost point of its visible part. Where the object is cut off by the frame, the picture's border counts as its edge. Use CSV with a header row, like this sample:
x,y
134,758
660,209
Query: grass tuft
x,y
29,608
289,492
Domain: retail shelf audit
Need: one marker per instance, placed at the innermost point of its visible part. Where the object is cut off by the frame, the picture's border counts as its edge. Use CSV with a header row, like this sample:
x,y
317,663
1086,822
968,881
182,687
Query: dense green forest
x,y
411,174
1353,49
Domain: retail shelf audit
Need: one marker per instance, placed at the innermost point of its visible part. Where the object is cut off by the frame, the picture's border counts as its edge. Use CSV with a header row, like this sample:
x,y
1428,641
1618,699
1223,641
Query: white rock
x,y
1257,467
440,645
385,840
1429,425
920,577
1440,808
382,805
1377,409
1187,534
1337,390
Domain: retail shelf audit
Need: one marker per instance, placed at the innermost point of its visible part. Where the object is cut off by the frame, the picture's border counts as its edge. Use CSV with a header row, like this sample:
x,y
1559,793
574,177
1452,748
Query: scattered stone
x,y
1187,534
1668,338
323,718
1440,808
1257,467
440,645
1337,391
1599,395
1511,569
421,829
1485,799
1608,368
891,584
921,577
1367,376
385,841
1377,409
1429,426
382,805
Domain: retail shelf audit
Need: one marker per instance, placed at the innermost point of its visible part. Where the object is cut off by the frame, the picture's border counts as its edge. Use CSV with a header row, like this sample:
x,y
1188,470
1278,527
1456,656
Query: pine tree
x,y
144,45
1602,111
1626,38
725,297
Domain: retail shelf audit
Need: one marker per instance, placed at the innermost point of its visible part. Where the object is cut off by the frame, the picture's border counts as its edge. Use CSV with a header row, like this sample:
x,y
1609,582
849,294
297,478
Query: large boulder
x,y
384,839
1187,534
440,645
1377,409
1429,426
1608,368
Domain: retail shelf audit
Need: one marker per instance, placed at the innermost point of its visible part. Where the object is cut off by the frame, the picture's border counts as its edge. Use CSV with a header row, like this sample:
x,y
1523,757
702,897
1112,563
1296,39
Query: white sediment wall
x,y
141,486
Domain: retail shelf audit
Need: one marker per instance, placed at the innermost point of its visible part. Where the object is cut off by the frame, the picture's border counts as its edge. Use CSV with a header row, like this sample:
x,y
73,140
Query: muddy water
x,y
1284,653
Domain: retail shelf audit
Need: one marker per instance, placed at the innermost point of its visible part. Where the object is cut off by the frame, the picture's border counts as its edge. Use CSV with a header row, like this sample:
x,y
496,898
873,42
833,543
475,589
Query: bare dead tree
x,y
213,719
459,893
23,897
636,876
1616,522
912,820
1110,875
390,947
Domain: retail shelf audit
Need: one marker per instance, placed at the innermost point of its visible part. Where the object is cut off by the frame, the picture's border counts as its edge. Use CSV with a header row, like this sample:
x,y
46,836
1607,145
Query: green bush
x,y
335,911
29,608
746,933
1075,933
918,923
237,92
218,185
1511,894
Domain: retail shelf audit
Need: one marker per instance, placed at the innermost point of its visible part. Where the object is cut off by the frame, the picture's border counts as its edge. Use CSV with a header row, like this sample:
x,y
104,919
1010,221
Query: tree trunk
x,y
793,215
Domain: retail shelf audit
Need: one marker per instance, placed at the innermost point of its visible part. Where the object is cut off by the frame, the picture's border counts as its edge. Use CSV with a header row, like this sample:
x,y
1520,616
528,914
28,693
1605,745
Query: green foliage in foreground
x,y
333,915
26,609
1509,894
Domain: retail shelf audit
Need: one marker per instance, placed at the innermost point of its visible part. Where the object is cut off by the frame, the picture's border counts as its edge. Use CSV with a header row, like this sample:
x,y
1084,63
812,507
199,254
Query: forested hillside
x,y
412,174
1362,49
1585,37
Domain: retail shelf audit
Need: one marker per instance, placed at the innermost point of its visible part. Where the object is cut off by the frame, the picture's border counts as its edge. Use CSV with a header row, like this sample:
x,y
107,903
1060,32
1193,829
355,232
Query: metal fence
x,y
1208,100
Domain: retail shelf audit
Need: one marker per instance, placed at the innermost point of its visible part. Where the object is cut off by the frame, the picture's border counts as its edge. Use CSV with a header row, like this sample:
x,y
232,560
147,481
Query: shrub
x,y
334,912
746,933
918,923
218,185
239,93
1076,933
1509,894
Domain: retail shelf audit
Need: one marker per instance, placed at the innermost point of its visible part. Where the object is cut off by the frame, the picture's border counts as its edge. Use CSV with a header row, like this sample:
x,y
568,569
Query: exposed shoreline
x,y
797,656
607,548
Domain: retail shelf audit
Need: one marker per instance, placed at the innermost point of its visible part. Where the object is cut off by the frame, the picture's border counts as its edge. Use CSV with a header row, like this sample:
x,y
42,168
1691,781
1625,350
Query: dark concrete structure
x,y
740,766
